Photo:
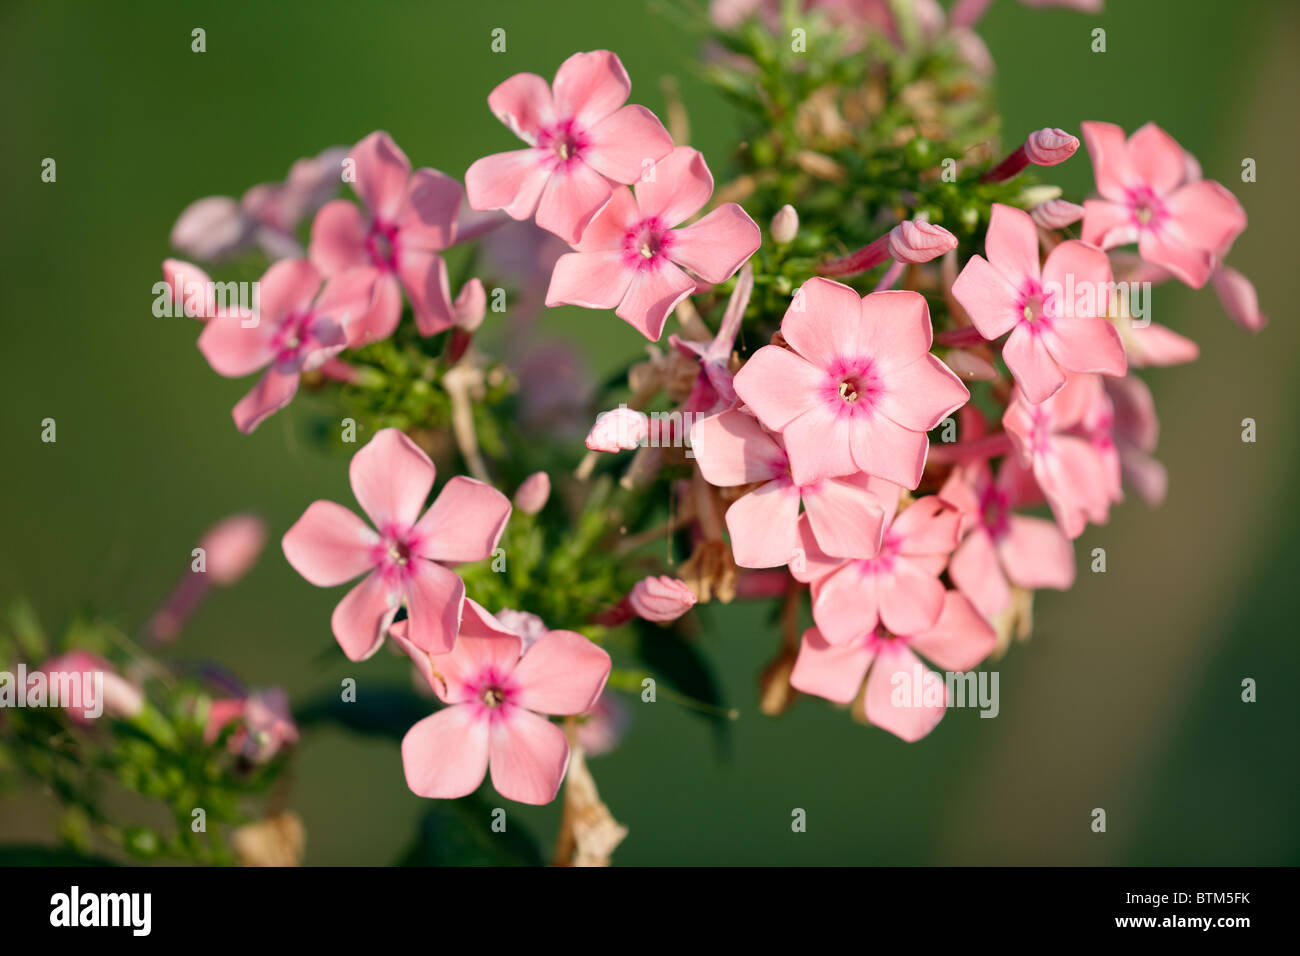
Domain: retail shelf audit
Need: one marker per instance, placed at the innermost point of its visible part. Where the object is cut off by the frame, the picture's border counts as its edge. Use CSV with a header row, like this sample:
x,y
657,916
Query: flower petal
x,y
1036,554
571,198
845,516
960,638
825,323
1036,372
391,477
764,526
464,523
626,145
523,103
920,395
423,274
445,755
434,598
529,755
733,449
832,671
911,719
363,616
590,86
338,238
653,293
511,181
382,170
778,385
329,544
428,210
988,297
715,246
562,673
274,390
1012,245
680,187
593,280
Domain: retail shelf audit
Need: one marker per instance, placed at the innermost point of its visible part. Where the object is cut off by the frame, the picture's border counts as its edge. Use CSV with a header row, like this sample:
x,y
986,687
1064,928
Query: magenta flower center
x,y
851,386
1040,433
646,243
565,141
294,340
381,245
396,551
883,562
493,696
1146,208
492,692
1037,306
993,511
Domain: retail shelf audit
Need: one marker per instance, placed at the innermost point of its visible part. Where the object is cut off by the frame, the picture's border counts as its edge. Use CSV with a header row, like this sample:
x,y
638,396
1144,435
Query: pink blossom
x,y
1056,214
494,693
1136,433
603,728
407,558
267,723
1000,548
845,516
618,429
714,389
120,698
957,640
660,599
298,328
1055,313
631,258
899,586
1177,224
532,493
579,135
1048,438
857,390
1239,299
230,548
408,219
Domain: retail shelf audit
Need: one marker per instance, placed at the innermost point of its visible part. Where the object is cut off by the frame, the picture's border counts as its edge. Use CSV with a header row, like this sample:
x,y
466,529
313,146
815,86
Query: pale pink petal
x,y
381,319
338,238
572,196
484,644
234,350
819,444
680,187
382,170
1190,264
927,527
191,290
523,103
832,671
562,673
883,448
1157,158
846,604
608,231
434,598
1077,265
211,227
812,564
446,755
910,599
1107,224
593,280
626,145
1036,554
423,274
391,477
1012,245
428,211
1086,345
1108,150
329,544
733,449
764,526
1206,215
975,569
529,755
845,516
590,86
920,395
511,181
464,523
1036,372
287,287
824,322
274,390
987,296
960,638
899,670
778,385
896,328
361,618
717,245
1239,299
654,293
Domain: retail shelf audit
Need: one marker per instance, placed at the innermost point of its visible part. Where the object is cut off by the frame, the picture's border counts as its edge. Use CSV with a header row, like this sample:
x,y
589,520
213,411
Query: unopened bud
x,y
918,241
661,599
531,496
785,224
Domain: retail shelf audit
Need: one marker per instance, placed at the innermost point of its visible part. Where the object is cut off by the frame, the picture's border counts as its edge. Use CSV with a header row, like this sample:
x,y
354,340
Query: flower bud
x,y
618,429
785,224
528,627
1050,146
1238,297
918,241
232,546
1056,214
531,496
470,306
661,599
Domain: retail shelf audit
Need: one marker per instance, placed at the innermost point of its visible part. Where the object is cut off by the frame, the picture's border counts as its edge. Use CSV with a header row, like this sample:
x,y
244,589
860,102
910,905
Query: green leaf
x,y
381,712
459,833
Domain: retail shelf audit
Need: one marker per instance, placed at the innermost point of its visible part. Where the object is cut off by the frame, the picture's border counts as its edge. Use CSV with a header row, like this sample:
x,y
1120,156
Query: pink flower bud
x,y
919,241
530,497
528,627
1239,299
120,697
785,224
1050,146
661,599
211,227
618,429
470,306
232,546
1056,213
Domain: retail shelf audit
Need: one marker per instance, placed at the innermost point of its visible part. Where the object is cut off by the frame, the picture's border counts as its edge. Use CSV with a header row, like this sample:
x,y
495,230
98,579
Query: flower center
x,y
646,242
399,553
493,696
1033,309
564,141
849,390
381,245
1147,209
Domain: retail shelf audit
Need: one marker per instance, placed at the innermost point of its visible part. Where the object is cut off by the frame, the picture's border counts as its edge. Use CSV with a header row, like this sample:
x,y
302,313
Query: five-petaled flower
x,y
579,135
407,557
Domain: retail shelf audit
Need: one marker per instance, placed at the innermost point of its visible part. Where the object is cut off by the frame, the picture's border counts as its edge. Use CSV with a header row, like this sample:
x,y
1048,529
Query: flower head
x,y
405,557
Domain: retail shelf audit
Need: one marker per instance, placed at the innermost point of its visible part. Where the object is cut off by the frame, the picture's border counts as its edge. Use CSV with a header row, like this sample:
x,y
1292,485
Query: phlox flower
x,y
897,587
230,548
1049,439
493,692
298,328
858,388
267,723
579,135
406,559
1136,434
1054,312
631,258
957,640
121,698
999,548
409,219
1146,198
845,516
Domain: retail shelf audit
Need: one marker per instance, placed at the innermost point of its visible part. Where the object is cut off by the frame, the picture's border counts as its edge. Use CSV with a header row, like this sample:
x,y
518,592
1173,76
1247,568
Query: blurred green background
x,y
1126,698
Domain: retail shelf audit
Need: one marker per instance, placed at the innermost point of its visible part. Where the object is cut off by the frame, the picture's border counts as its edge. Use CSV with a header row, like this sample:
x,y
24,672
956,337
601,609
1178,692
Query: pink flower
x,y
845,516
1001,548
1136,433
1239,299
859,389
1055,313
899,586
75,674
295,331
409,218
267,723
1048,438
902,695
1177,224
660,599
603,728
494,694
531,495
407,558
714,389
230,548
579,135
631,258
618,429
